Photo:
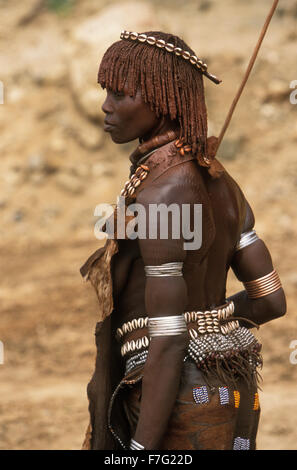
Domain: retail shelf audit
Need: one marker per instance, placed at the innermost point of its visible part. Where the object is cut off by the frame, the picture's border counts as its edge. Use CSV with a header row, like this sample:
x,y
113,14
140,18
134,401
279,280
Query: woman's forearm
x,y
160,386
259,310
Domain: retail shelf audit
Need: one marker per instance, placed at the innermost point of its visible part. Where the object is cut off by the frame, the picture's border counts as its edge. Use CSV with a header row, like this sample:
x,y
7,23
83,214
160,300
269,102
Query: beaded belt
x,y
216,339
199,323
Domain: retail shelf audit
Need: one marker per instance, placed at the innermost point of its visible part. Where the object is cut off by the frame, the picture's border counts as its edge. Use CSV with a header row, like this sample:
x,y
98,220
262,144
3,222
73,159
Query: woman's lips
x,y
108,127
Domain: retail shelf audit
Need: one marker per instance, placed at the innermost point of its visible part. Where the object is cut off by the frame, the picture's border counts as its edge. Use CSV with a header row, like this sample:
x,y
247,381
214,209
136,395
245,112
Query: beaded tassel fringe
x,y
228,356
224,357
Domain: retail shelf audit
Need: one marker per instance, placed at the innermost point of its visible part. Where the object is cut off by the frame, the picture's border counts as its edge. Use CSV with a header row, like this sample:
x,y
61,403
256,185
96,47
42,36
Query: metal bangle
x,y
263,286
166,269
134,445
246,239
167,326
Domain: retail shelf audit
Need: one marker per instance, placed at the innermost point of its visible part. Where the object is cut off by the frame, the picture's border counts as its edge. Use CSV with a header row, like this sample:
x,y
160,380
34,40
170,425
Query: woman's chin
x,y
117,140
120,139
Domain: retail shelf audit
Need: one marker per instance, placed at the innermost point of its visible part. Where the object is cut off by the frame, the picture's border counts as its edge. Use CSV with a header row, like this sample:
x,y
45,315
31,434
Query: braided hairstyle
x,y
170,84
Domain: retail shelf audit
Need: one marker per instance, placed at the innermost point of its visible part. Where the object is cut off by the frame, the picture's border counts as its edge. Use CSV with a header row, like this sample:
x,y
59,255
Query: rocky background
x,y
56,165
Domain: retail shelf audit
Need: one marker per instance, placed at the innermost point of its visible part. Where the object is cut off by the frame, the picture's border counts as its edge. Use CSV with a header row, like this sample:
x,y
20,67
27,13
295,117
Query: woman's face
x,y
127,118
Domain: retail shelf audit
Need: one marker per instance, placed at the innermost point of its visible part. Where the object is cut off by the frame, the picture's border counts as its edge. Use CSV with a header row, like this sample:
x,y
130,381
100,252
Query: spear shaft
x,y
247,73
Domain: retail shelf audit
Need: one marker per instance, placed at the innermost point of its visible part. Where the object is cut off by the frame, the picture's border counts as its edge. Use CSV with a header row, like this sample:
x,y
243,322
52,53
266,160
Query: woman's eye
x,y
118,94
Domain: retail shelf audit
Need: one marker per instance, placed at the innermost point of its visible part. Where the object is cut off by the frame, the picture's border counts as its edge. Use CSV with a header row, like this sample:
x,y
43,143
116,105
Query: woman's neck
x,y
162,127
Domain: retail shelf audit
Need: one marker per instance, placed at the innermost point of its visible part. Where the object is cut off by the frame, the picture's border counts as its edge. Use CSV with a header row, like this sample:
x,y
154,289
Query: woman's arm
x,y
251,263
165,296
164,363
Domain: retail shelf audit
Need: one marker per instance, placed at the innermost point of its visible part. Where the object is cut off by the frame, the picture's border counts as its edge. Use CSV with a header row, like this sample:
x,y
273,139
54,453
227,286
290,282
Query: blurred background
x,y
56,165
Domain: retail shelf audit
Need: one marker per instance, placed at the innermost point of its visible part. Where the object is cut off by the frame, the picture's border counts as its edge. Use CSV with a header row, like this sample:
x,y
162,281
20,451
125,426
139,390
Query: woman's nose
x,y
106,107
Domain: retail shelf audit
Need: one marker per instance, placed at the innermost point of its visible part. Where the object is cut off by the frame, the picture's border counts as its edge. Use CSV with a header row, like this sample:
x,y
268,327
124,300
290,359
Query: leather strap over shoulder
x,y
160,161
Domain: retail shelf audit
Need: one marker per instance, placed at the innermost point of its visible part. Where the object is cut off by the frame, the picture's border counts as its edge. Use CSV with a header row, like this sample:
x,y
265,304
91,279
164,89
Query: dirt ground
x,y
56,165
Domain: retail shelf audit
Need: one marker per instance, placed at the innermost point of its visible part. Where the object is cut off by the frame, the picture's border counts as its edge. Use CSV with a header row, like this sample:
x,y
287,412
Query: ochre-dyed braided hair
x,y
171,85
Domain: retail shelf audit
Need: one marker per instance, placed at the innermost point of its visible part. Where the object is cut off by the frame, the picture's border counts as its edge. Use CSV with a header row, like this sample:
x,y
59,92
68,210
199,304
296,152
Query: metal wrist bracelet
x,y
170,325
134,445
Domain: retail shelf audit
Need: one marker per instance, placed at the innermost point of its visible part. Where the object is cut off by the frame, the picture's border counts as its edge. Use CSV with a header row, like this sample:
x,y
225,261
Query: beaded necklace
x,y
139,171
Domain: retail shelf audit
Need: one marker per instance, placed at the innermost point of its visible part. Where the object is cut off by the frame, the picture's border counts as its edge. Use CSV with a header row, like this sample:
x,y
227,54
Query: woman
x,y
176,364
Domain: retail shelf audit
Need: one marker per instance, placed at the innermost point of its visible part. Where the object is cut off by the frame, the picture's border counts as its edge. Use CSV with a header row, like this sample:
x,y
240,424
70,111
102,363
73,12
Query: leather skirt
x,y
207,415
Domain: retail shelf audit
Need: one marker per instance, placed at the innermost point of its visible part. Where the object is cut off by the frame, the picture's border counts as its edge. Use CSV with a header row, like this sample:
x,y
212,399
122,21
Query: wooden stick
x,y
247,74
36,9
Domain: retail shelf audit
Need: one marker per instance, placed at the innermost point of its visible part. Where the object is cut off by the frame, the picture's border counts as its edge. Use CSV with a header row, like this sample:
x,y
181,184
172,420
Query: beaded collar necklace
x,y
139,171
147,148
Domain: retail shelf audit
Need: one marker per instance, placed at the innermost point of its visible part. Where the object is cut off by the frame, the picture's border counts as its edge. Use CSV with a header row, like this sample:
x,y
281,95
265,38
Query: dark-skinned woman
x,y
177,363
